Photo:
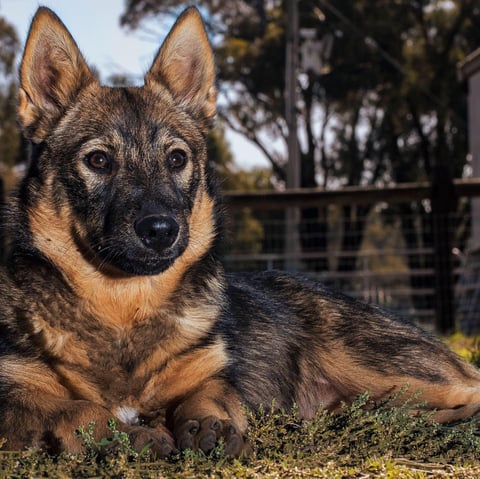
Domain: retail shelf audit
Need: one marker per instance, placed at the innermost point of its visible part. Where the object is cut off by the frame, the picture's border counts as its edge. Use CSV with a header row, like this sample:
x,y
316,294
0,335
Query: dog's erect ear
x,y
186,66
52,73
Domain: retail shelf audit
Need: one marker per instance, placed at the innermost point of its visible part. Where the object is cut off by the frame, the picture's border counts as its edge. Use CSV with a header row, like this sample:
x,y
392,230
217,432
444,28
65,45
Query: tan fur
x,y
347,379
34,377
60,343
187,331
186,373
204,403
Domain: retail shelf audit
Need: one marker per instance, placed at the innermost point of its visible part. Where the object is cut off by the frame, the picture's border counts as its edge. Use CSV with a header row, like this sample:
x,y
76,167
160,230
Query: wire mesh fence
x,y
381,252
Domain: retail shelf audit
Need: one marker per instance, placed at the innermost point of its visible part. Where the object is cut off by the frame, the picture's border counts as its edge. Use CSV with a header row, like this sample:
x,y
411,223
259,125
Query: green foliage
x,y
8,47
360,441
10,139
361,432
231,177
246,232
118,441
474,356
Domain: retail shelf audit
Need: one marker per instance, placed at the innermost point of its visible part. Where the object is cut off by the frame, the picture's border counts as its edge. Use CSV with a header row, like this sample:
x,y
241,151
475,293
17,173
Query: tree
x,y
246,232
10,141
387,106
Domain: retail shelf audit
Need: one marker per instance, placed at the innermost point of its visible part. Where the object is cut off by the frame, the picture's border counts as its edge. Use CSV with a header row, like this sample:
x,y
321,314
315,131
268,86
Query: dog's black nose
x,y
157,232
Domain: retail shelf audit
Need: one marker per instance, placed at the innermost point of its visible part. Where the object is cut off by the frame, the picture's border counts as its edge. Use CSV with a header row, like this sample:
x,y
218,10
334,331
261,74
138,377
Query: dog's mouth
x,y
136,266
127,260
149,248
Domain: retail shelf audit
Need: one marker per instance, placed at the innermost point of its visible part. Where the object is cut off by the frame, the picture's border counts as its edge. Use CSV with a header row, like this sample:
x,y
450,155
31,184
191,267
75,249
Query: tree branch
x,y
277,167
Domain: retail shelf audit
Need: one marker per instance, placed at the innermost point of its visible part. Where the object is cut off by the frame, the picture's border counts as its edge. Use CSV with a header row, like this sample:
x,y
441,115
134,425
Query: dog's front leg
x,y
210,413
73,414
50,424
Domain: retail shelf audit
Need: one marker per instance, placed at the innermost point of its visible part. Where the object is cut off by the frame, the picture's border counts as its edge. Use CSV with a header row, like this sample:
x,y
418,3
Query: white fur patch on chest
x,y
127,415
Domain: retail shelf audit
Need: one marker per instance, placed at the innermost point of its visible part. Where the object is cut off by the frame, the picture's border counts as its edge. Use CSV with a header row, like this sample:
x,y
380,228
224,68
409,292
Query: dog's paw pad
x,y
159,442
234,443
206,433
186,433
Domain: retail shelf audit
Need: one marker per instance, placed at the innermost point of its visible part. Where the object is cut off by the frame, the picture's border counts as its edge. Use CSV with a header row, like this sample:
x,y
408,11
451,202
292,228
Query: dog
x,y
115,303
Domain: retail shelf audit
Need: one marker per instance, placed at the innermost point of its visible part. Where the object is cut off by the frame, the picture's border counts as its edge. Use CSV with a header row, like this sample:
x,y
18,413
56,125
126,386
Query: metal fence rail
x,y
372,243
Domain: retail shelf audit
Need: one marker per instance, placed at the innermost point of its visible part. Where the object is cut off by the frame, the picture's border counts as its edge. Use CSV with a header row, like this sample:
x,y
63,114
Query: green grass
x,y
358,443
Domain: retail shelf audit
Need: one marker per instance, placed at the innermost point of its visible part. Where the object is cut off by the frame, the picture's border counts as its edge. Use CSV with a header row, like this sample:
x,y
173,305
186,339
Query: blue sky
x,y
95,26
111,49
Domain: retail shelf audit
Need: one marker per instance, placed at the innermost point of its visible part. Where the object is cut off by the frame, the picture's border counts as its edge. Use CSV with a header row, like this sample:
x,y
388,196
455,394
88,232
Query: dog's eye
x,y
176,159
99,162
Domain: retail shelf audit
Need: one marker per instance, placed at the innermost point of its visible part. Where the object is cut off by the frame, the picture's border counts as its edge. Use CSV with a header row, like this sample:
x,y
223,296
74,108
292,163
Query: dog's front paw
x,y
205,433
159,440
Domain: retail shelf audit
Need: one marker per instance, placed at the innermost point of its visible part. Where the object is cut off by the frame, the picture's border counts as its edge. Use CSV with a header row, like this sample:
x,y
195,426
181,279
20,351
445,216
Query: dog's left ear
x,y
52,73
185,64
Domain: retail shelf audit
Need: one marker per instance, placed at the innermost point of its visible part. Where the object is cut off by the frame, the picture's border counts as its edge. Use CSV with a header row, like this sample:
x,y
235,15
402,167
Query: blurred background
x,y
347,139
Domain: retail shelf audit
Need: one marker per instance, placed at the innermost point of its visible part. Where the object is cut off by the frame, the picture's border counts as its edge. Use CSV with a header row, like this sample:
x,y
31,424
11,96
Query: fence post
x,y
443,204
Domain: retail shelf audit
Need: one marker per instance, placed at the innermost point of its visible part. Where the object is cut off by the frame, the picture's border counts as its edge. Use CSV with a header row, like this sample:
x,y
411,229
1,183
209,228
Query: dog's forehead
x,y
132,106
133,115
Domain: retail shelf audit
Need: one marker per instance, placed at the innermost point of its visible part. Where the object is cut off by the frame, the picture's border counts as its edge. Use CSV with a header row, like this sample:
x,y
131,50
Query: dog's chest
x,y
140,367
87,353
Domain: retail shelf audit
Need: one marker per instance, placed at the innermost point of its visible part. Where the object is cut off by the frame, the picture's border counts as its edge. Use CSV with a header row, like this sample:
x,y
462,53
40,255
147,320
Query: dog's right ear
x,y
186,66
52,73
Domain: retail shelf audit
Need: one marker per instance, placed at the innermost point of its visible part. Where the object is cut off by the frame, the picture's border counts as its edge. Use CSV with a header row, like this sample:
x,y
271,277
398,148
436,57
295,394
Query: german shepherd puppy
x,y
114,300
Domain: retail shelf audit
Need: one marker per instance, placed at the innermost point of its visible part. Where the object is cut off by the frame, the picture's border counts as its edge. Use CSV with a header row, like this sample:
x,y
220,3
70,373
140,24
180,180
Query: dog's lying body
x,y
114,302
